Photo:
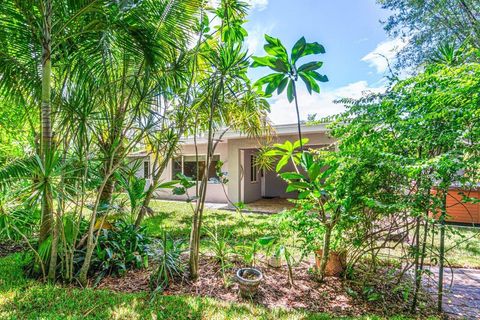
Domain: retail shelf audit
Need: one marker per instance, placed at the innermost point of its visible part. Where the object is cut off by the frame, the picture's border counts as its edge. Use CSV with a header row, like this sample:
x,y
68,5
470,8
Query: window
x,y
253,168
187,165
146,169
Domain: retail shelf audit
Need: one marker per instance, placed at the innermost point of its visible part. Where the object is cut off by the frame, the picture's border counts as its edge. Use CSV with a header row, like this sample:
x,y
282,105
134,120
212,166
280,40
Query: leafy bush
x,y
119,249
16,223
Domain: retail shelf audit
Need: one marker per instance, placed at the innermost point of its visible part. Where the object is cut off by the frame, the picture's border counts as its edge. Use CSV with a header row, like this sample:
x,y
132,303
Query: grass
x,y
175,218
462,243
22,298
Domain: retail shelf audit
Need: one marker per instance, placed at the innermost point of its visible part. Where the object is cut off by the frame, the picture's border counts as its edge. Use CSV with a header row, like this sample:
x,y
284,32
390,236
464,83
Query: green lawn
x,y
22,298
462,243
176,219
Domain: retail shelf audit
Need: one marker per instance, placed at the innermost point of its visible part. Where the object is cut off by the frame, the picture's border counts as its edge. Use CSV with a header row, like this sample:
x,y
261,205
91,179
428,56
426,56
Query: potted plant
x,y
335,265
248,280
323,200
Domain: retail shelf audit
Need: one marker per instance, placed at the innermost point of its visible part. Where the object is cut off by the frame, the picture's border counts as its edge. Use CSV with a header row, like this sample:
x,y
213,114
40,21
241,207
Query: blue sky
x,y
352,35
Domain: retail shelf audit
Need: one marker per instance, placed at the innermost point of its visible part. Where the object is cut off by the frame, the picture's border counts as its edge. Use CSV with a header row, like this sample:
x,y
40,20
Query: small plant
x,y
167,255
120,248
16,221
275,247
247,253
221,249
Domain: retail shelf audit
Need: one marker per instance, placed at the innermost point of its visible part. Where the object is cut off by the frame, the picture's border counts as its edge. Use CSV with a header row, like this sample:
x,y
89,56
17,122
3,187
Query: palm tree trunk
x,y
298,115
46,138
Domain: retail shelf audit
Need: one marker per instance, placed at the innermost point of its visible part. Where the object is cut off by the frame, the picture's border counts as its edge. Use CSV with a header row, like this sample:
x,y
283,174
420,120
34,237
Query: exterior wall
x,y
235,145
275,186
215,191
463,212
235,154
140,173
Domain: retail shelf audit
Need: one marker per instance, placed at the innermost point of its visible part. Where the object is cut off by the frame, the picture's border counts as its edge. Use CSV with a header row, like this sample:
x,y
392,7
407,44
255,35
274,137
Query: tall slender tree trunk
x,y
46,129
443,216
197,216
325,250
298,115
153,186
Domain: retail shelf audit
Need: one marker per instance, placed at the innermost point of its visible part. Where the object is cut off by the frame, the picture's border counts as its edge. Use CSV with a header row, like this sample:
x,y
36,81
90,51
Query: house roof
x,y
280,130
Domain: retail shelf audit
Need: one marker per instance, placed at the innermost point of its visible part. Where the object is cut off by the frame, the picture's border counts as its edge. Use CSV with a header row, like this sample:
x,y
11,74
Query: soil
x,y
9,247
333,295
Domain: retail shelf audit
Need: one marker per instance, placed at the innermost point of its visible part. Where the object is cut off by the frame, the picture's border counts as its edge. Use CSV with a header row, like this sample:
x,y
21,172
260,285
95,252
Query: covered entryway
x,y
256,184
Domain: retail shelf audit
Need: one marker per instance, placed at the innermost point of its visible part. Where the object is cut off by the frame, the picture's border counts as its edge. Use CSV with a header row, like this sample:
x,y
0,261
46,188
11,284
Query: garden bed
x,y
334,296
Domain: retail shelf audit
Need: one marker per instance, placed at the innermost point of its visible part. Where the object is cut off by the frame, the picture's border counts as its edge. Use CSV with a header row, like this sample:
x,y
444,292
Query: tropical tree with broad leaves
x,y
287,73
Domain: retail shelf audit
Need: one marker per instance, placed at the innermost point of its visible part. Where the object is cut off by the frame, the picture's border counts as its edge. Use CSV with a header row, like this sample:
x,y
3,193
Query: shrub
x,y
119,249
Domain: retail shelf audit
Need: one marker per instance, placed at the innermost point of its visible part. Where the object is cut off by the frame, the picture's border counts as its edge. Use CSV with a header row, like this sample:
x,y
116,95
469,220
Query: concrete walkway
x,y
462,296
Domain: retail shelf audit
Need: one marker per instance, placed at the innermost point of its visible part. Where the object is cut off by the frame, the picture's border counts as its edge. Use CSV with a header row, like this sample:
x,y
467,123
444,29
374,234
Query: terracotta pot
x,y
335,264
248,281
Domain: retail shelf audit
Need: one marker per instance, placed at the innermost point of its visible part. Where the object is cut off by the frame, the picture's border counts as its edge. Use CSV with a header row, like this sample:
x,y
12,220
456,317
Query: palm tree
x,y
286,71
224,100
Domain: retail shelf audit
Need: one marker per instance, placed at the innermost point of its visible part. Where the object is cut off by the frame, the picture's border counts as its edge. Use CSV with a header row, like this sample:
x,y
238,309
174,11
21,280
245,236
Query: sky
x,y
354,39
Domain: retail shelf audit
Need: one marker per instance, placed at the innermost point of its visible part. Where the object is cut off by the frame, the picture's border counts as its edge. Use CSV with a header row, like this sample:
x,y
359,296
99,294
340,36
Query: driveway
x,y
462,295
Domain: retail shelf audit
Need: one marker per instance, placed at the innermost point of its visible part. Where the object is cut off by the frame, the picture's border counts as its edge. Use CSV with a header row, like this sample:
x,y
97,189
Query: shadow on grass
x,y
176,218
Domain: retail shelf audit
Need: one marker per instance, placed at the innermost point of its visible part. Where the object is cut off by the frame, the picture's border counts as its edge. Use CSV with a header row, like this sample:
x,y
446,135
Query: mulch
x,y
332,295
9,247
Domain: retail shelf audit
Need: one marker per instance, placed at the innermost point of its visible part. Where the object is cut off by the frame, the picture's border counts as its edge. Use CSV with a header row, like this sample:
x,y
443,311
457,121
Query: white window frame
x,y
183,156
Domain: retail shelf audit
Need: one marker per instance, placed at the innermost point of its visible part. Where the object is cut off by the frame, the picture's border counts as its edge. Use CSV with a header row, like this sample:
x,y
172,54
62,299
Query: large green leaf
x,y
269,78
314,171
317,76
297,186
282,85
310,83
310,66
313,48
282,163
263,62
297,143
275,47
290,91
281,66
291,176
274,83
298,49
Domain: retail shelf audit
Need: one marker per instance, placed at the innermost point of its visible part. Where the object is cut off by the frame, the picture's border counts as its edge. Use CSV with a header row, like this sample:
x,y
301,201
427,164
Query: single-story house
x,y
247,183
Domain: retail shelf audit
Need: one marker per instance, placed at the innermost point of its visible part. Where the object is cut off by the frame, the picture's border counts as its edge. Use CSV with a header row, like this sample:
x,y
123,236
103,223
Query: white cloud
x,y
283,112
258,4
384,53
256,37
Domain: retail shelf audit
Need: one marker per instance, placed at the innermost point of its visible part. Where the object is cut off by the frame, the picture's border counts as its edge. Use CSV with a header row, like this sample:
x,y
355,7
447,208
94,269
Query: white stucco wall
x,y
215,192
